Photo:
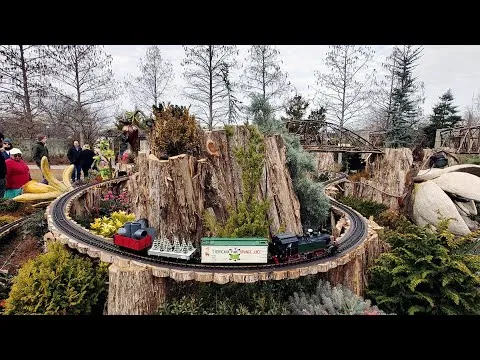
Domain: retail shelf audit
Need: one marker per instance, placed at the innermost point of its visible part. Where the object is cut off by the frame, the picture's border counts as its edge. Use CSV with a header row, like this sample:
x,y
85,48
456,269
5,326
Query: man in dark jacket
x,y
40,150
7,146
73,156
3,169
86,159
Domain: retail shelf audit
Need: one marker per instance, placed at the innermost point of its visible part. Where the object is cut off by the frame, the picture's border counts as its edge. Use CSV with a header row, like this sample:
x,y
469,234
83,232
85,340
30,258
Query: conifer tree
x,y
406,97
444,116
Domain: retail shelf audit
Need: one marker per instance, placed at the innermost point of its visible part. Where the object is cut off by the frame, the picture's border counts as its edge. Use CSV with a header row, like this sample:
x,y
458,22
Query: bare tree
x,y
263,76
204,67
156,75
381,106
345,90
471,116
85,77
233,109
22,84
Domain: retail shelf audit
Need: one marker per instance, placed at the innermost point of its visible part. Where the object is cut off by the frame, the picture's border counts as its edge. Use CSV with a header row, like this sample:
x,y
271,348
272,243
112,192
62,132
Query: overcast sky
x,y
440,68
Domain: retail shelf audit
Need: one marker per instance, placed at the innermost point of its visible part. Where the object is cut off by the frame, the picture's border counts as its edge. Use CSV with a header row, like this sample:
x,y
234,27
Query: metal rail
x,y
356,233
5,229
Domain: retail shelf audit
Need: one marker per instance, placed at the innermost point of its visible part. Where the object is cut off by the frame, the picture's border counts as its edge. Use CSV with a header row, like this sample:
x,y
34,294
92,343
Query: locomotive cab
x,y
284,245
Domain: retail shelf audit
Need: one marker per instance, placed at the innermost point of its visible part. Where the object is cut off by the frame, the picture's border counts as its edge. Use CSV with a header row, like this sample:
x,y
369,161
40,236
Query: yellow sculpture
x,y
36,191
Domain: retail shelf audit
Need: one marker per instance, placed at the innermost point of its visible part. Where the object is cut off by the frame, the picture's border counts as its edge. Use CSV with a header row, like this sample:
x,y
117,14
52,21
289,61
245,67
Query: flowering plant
x,y
111,202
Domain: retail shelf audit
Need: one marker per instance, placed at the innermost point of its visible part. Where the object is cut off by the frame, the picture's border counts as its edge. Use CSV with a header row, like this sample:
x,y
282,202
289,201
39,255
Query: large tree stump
x,y
353,273
133,290
388,178
174,194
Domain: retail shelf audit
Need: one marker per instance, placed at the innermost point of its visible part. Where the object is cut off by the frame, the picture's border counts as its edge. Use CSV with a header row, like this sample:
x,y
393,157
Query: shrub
x,y
425,273
229,131
8,205
392,220
57,283
174,131
111,202
314,205
36,225
260,298
328,300
475,160
364,207
108,225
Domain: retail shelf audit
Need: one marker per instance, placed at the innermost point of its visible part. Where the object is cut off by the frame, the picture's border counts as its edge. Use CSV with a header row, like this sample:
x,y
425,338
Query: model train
x,y
283,247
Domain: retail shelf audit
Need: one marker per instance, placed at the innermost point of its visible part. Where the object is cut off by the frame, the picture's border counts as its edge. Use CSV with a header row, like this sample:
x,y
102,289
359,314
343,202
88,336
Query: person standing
x,y
18,174
3,169
7,146
40,150
86,159
73,156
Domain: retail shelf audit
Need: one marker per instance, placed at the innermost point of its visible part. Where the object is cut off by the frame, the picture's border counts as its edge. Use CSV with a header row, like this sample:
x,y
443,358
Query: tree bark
x,y
174,194
133,290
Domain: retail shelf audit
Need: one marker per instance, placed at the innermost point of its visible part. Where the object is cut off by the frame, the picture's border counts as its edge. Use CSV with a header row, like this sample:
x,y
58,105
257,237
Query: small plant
x,y
174,132
8,205
111,202
103,161
328,300
108,225
57,283
392,220
36,225
364,207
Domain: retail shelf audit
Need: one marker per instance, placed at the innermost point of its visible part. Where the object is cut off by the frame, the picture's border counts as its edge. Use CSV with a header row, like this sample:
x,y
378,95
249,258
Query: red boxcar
x,y
131,243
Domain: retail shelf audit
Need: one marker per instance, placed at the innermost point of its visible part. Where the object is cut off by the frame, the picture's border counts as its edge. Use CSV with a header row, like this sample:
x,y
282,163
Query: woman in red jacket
x,y
18,174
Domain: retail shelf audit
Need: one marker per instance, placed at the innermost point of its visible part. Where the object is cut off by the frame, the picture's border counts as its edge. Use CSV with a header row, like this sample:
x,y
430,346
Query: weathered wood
x,y
388,176
133,290
276,185
325,161
174,194
352,273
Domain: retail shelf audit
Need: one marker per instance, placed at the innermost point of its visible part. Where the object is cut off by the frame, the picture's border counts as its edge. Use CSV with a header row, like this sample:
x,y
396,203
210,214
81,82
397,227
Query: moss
x,y
229,131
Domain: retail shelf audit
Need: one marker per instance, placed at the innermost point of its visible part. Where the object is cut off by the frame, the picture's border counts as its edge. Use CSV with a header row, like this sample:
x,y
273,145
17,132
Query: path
x,y
53,167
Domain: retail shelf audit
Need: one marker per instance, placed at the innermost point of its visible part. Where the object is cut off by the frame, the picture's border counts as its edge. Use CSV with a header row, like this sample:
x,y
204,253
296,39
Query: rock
x,y
468,208
460,183
431,202
429,174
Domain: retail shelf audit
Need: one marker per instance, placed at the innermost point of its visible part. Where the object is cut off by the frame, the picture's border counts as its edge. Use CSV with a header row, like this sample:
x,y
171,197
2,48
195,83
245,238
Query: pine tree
x,y
296,108
405,97
444,116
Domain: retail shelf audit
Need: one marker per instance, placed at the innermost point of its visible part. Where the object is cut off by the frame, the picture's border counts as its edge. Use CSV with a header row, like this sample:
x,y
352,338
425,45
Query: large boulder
x,y
460,183
431,204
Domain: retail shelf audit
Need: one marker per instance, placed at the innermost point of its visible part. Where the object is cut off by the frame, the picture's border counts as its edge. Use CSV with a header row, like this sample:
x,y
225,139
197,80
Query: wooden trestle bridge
x,y
322,136
461,140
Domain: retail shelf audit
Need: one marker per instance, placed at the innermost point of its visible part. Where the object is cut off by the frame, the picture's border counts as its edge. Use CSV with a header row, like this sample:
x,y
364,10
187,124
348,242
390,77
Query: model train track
x,y
355,234
5,229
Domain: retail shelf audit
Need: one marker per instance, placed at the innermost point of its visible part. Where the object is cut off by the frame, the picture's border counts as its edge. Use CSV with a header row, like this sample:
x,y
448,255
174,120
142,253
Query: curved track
x,y
355,234
5,229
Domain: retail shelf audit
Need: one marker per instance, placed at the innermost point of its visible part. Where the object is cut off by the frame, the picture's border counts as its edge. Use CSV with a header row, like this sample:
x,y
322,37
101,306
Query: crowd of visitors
x,y
15,172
